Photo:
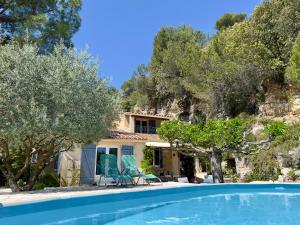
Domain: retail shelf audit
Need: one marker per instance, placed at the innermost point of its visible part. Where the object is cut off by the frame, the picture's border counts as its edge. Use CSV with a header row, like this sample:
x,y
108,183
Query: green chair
x,y
130,168
109,169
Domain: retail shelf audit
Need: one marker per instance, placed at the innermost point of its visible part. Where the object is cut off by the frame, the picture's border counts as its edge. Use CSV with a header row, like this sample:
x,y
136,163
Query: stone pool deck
x,y
7,198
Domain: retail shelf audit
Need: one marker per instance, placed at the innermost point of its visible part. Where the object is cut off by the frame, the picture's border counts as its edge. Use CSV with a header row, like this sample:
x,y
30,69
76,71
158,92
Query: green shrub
x,y
275,128
265,167
231,173
48,180
147,162
292,176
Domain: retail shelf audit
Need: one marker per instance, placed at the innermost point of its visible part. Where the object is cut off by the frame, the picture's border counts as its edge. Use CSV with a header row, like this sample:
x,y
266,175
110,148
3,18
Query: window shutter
x,y
88,164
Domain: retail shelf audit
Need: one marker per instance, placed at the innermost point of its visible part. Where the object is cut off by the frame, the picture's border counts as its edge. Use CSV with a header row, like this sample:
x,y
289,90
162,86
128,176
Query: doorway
x,y
187,167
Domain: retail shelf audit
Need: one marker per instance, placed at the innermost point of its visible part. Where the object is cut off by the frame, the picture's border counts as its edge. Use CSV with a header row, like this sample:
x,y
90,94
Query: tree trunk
x,y
13,184
216,166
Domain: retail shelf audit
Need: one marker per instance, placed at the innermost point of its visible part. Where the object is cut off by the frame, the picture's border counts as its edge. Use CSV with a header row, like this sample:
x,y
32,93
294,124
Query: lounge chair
x,y
130,168
109,169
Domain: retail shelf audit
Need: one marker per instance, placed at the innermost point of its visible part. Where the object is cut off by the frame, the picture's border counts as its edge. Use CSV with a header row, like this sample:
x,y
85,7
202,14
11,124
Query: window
x,y
152,127
100,151
141,126
113,151
137,126
144,128
158,159
127,150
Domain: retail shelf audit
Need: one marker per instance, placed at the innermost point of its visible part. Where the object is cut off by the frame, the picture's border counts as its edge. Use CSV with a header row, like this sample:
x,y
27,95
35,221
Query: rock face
x,y
276,102
279,103
295,105
243,166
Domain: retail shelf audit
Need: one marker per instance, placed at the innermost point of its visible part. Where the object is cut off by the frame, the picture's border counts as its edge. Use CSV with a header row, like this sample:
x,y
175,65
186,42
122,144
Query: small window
x,y
127,150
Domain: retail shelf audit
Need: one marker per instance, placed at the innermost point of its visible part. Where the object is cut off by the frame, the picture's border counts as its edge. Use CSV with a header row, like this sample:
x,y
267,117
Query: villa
x,y
132,133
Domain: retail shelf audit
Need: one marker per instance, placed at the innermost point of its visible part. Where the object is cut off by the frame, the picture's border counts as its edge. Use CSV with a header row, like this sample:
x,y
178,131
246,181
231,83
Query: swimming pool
x,y
236,204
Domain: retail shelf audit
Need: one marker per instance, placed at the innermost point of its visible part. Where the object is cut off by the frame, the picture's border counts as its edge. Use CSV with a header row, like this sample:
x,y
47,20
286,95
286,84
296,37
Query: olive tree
x,y
215,137
47,104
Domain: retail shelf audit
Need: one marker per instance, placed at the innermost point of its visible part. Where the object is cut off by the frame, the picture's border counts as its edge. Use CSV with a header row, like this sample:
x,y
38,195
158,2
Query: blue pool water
x,y
272,204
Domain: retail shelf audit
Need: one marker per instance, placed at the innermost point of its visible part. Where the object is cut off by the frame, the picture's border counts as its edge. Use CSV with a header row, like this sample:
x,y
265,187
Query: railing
x,y
145,129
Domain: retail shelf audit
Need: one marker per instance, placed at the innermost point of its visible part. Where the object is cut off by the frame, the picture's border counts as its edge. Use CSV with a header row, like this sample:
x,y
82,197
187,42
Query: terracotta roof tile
x,y
120,134
158,116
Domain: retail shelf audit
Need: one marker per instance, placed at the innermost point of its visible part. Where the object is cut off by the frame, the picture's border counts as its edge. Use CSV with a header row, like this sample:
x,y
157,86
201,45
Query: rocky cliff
x,y
280,103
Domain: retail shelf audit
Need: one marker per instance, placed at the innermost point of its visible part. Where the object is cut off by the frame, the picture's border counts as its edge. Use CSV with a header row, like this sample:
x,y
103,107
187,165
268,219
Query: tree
x,y
43,22
47,104
275,25
229,19
293,70
175,60
234,71
242,56
223,76
214,138
137,91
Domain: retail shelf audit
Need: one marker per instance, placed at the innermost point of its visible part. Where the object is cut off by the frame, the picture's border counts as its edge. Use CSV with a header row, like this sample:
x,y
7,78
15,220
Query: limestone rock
x,y
295,105
285,171
297,173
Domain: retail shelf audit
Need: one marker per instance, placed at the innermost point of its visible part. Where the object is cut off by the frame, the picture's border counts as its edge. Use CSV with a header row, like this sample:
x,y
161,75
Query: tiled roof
x,y
120,134
158,116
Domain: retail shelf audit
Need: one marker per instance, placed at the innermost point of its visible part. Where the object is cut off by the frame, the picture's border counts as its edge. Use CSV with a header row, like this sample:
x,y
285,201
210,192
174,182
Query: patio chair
x,y
109,169
130,168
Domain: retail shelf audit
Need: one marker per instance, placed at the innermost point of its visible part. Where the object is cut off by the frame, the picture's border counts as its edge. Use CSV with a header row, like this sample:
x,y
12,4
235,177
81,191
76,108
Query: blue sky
x,y
120,33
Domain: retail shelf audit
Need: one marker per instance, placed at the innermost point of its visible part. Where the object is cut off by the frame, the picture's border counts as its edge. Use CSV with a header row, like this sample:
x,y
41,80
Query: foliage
x,y
205,164
219,133
172,129
292,175
75,174
275,128
231,173
275,26
265,167
147,162
48,107
215,137
137,90
265,163
175,59
289,139
45,23
293,70
229,19
48,180
224,74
